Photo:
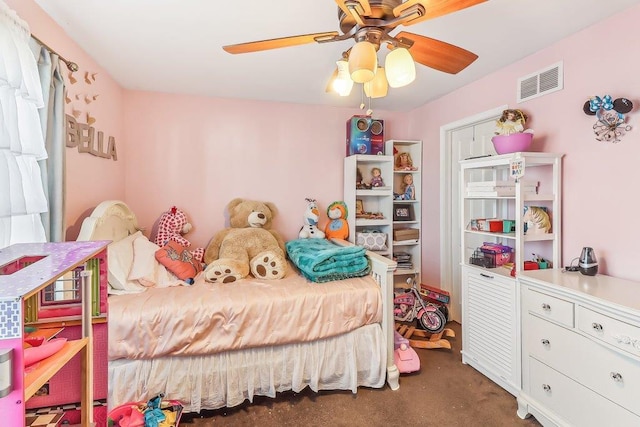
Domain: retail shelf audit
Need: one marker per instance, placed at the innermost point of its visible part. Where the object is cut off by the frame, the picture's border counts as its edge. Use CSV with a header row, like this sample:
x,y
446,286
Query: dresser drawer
x,y
576,404
548,307
613,331
610,373
553,344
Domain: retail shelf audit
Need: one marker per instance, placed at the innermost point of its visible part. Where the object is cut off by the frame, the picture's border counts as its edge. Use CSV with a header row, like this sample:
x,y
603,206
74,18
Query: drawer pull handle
x,y
616,377
596,326
545,341
486,275
546,307
546,387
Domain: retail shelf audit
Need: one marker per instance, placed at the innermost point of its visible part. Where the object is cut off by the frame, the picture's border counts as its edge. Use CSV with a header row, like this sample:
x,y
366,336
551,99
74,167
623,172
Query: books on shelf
x,y
403,259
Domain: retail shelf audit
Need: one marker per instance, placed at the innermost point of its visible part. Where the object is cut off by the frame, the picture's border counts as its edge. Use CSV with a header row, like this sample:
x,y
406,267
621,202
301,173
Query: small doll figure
x,y
404,162
511,121
408,189
376,180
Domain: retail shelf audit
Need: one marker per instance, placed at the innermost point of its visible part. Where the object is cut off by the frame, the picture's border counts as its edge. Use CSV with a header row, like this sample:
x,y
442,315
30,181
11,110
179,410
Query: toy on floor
x,y
337,227
405,357
310,228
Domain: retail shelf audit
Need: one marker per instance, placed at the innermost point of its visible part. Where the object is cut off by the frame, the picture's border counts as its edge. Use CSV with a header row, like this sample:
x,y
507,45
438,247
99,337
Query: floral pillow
x,y
179,260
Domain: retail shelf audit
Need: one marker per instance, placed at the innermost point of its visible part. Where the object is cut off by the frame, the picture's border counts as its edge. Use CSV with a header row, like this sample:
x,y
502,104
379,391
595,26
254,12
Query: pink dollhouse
x,y
53,329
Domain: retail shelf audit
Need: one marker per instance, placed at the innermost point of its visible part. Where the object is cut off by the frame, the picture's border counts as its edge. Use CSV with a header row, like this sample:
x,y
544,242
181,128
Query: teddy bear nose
x,y
261,215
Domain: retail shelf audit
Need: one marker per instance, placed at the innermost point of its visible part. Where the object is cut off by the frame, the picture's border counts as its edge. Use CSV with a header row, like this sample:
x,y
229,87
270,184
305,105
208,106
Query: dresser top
x,y
25,268
625,293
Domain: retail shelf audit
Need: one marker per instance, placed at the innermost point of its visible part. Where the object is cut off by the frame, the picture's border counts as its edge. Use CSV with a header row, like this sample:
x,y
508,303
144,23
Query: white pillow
x,y
145,265
146,270
120,260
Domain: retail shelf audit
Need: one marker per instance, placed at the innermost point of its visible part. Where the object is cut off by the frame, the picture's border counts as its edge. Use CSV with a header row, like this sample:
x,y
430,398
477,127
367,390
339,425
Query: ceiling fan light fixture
x,y
363,62
342,84
378,87
400,67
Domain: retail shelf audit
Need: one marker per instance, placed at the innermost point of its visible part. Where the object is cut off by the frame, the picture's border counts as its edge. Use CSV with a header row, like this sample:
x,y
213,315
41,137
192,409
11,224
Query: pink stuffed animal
x,y
171,226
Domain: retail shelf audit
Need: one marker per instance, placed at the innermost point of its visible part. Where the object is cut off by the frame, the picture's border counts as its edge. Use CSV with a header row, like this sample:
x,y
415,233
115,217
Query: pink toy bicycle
x,y
409,306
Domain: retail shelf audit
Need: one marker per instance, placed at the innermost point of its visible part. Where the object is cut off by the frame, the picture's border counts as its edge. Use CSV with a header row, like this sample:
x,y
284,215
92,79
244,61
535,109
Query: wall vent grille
x,y
540,83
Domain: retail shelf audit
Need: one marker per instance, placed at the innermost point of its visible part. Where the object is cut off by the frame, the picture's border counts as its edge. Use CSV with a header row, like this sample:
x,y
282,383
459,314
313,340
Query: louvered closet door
x,y
490,326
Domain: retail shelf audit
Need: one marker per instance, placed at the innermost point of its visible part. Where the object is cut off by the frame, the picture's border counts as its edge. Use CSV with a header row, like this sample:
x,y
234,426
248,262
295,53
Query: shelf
x,y
405,242
45,369
380,192
372,222
406,222
405,271
498,271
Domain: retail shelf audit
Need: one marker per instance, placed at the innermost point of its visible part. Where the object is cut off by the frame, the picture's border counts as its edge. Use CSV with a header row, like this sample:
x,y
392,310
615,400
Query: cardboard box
x,y
406,234
365,135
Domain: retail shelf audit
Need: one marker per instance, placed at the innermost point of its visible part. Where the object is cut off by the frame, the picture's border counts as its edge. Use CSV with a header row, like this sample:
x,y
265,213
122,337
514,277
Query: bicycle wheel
x,y
433,321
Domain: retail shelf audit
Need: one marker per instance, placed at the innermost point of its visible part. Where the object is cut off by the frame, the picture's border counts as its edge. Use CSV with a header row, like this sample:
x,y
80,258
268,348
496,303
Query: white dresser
x,y
580,349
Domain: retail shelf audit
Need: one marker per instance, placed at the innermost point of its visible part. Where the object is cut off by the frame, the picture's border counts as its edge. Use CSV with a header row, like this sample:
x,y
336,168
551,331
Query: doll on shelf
x,y
404,162
408,189
376,180
511,121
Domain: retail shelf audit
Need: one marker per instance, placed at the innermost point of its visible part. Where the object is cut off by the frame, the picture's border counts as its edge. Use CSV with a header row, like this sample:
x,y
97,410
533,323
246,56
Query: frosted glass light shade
x,y
363,62
378,87
400,68
343,83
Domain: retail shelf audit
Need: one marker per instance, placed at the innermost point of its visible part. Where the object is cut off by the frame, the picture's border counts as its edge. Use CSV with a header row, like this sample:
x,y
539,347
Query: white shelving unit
x,y
490,300
411,246
374,200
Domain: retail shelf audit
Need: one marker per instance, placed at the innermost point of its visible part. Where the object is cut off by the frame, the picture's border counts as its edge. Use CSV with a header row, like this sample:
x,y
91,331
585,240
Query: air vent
x,y
540,83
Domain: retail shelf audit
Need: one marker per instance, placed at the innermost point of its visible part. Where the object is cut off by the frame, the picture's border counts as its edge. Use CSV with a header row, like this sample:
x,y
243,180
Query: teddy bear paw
x,y
268,265
220,273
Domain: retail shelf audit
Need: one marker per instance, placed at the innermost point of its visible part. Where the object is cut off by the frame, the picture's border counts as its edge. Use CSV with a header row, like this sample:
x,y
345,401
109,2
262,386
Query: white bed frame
x,y
113,220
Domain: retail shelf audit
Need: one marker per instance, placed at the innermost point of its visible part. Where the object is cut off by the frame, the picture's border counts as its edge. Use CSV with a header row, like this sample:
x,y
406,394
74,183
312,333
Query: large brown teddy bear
x,y
248,245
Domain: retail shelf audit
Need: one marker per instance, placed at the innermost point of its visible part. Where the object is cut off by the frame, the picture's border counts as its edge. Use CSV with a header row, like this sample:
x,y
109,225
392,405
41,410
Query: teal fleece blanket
x,y
320,260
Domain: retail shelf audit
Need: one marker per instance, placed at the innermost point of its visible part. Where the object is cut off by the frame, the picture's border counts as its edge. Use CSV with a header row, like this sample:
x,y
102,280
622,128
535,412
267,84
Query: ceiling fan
x,y
373,20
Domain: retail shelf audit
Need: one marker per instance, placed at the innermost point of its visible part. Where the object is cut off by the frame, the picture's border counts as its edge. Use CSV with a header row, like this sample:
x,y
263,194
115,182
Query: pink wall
x,y
600,179
90,179
198,153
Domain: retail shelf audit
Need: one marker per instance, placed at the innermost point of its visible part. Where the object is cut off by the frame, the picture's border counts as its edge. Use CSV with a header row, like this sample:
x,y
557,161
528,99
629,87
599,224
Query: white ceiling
x,y
176,45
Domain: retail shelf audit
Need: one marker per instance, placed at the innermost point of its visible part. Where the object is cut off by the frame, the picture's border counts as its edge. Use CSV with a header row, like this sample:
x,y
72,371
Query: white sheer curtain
x,y
22,195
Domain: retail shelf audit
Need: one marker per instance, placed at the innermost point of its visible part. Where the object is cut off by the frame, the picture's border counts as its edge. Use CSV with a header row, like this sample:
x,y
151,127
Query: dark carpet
x,y
443,393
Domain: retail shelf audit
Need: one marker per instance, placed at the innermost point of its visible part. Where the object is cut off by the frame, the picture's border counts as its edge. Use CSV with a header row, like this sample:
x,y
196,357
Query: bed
x,y
219,345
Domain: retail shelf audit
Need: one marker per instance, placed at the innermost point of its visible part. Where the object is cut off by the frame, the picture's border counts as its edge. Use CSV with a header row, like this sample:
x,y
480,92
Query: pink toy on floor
x,y
405,357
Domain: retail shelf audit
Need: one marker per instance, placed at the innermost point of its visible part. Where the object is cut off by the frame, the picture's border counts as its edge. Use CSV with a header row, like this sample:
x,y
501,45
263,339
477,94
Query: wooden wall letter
x,y
83,136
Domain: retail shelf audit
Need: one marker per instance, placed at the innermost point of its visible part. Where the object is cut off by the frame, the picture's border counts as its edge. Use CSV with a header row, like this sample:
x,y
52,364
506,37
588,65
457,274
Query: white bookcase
x,y
375,200
491,312
410,245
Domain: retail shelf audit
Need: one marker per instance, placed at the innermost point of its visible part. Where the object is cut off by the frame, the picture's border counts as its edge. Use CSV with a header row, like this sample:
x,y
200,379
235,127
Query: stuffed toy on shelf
x,y
337,227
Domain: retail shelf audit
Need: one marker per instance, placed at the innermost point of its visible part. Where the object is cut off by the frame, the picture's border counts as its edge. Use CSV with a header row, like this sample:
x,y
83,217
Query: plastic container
x,y
513,143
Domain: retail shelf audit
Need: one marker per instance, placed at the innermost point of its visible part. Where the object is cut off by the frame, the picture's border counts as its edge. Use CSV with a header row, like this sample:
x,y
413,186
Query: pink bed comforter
x,y
208,318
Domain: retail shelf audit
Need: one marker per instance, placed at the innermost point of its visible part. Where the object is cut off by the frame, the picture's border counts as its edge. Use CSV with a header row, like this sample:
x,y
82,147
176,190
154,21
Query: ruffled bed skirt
x,y
345,362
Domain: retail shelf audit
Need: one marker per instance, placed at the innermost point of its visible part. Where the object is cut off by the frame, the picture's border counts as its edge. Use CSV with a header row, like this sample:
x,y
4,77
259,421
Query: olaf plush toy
x,y
310,228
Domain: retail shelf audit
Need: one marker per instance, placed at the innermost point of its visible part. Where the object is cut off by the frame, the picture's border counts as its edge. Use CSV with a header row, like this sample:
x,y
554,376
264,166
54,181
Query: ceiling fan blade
x,y
278,43
433,8
437,54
